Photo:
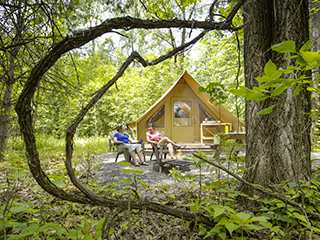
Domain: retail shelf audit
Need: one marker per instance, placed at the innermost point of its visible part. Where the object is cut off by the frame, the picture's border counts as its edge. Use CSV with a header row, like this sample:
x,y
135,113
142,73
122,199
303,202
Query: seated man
x,y
121,138
154,137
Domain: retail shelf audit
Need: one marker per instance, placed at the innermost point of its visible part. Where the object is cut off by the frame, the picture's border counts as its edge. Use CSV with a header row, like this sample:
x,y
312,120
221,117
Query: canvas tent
x,y
178,114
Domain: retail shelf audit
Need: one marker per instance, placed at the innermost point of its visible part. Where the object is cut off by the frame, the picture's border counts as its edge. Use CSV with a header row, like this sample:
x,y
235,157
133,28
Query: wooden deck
x,y
194,147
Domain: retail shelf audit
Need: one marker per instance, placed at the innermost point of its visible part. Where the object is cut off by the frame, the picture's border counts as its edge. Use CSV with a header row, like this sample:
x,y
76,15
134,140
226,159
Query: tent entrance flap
x,y
183,120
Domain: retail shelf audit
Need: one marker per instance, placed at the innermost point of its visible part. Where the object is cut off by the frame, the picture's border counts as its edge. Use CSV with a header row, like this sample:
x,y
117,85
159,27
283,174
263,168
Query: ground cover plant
x,y
28,212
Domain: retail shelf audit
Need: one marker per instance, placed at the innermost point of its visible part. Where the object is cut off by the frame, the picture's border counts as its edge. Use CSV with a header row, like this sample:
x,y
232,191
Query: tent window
x,y
182,113
158,118
203,114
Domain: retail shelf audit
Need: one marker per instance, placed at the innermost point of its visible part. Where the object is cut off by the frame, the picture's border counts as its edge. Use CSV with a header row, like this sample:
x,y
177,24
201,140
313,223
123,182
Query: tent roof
x,y
205,97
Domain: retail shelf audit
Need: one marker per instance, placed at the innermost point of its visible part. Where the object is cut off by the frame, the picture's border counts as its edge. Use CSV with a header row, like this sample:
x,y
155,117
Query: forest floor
x,y
158,226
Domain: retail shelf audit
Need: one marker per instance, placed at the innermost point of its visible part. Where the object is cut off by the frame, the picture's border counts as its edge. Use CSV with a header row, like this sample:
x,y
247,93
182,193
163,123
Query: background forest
x,y
73,80
29,29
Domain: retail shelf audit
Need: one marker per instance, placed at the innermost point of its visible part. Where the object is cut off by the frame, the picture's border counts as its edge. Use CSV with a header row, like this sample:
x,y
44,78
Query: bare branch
x,y
211,10
235,10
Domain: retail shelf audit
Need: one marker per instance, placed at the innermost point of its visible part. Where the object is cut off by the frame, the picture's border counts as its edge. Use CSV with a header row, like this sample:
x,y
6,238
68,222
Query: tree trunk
x,y
278,144
315,35
6,104
4,119
10,80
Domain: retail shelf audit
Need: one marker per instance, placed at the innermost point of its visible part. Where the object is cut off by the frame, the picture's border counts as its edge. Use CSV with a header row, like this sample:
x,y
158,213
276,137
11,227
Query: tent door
x,y
183,121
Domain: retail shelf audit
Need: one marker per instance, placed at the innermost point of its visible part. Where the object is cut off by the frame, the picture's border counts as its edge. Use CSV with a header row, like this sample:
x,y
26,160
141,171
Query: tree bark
x,y
278,144
315,36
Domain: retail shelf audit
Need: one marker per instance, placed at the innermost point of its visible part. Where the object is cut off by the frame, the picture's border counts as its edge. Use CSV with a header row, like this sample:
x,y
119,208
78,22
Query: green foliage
x,y
27,212
269,217
217,92
275,81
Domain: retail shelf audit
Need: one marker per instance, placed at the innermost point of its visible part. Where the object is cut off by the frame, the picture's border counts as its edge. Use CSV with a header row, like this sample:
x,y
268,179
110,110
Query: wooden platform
x,y
190,147
193,147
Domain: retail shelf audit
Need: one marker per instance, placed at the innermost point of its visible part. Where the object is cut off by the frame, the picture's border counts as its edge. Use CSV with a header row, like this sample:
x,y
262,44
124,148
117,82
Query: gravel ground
x,y
111,172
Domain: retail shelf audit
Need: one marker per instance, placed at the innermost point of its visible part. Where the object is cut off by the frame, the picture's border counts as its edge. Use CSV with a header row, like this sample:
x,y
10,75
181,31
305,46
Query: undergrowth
x,y
28,212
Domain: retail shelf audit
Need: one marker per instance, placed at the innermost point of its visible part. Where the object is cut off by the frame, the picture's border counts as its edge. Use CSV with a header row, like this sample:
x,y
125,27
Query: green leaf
x,y
17,209
266,224
218,211
243,216
253,227
264,78
270,68
311,89
291,57
30,230
277,74
125,164
301,61
223,221
260,219
214,231
266,110
300,217
306,46
242,91
37,188
279,90
18,174
254,94
296,91
285,47
292,184
59,183
231,227
129,170
310,56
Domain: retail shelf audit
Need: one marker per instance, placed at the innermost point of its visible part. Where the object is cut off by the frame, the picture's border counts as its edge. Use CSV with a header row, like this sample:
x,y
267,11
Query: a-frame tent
x,y
178,114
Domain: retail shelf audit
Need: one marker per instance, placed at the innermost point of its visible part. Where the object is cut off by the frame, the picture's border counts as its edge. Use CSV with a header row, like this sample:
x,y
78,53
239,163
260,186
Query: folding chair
x,y
122,149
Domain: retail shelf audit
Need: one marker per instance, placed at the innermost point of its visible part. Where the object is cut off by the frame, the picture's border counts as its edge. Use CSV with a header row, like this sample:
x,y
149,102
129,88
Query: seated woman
x,y
121,138
155,137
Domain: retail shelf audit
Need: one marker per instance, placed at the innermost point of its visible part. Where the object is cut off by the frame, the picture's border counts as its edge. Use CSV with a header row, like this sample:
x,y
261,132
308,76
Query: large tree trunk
x,y
315,34
278,144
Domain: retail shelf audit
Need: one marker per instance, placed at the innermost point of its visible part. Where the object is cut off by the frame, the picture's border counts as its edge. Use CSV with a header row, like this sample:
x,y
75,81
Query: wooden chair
x,y
122,149
163,164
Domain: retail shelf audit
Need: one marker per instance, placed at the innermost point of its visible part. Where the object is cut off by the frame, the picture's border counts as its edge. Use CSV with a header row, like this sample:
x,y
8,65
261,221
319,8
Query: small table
x,y
240,138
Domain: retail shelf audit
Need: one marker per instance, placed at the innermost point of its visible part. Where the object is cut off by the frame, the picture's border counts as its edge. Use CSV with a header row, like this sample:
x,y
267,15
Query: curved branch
x,y
72,128
85,195
24,108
